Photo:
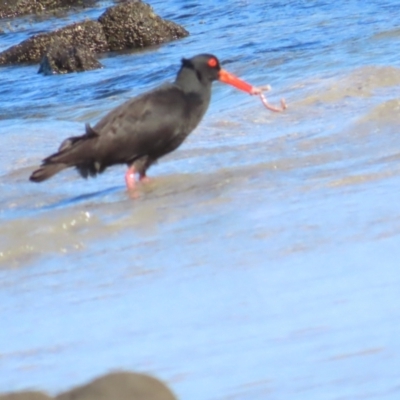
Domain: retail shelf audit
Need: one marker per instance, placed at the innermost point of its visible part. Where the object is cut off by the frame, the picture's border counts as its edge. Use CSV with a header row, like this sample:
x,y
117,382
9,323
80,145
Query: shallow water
x,y
261,261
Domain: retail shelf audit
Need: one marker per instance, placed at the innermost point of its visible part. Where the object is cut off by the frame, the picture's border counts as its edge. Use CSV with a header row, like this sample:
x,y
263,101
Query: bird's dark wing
x,y
147,124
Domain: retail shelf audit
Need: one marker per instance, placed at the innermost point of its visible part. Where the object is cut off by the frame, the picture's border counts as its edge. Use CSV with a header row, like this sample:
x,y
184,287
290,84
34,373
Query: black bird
x,y
145,128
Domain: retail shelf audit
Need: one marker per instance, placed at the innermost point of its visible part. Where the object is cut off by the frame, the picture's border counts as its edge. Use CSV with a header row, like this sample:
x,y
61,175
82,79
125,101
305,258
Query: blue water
x,y
262,261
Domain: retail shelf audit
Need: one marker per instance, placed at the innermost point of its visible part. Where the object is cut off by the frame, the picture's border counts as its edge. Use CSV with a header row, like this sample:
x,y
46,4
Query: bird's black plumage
x,y
142,129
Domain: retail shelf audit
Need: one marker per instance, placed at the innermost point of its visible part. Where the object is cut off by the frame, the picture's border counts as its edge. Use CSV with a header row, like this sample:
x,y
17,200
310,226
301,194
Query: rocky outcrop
x,y
132,24
87,34
14,8
62,58
114,386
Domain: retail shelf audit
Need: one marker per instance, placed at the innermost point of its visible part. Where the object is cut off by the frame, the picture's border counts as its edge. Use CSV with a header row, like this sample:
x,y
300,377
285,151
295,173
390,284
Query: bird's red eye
x,y
212,62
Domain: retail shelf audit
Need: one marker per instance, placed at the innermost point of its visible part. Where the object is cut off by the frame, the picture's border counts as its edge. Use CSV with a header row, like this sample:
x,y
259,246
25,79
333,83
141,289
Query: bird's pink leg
x,y
130,178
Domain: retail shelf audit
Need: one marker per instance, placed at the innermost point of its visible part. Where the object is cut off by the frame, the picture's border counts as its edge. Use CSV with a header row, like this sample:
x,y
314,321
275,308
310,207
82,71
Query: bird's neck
x,y
190,82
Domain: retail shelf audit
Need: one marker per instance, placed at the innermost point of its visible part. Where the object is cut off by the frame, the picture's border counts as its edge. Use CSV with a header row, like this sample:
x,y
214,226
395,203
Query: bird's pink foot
x,y
144,179
130,178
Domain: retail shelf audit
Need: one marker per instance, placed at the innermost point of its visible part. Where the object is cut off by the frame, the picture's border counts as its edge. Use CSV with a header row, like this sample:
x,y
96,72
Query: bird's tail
x,y
72,152
46,171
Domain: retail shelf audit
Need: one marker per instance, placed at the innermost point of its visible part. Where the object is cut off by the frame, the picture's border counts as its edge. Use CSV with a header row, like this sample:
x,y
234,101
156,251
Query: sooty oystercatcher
x,y
145,128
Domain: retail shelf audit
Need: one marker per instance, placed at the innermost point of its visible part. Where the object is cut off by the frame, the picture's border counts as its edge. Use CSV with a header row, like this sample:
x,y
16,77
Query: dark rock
x,y
25,396
131,24
114,386
63,59
87,34
121,386
134,24
13,8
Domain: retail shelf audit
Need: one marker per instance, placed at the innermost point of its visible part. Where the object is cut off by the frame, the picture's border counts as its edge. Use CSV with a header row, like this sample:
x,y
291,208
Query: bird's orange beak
x,y
230,79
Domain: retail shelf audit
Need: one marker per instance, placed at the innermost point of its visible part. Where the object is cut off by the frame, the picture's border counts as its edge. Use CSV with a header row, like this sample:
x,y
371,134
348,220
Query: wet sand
x,y
260,262
222,259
